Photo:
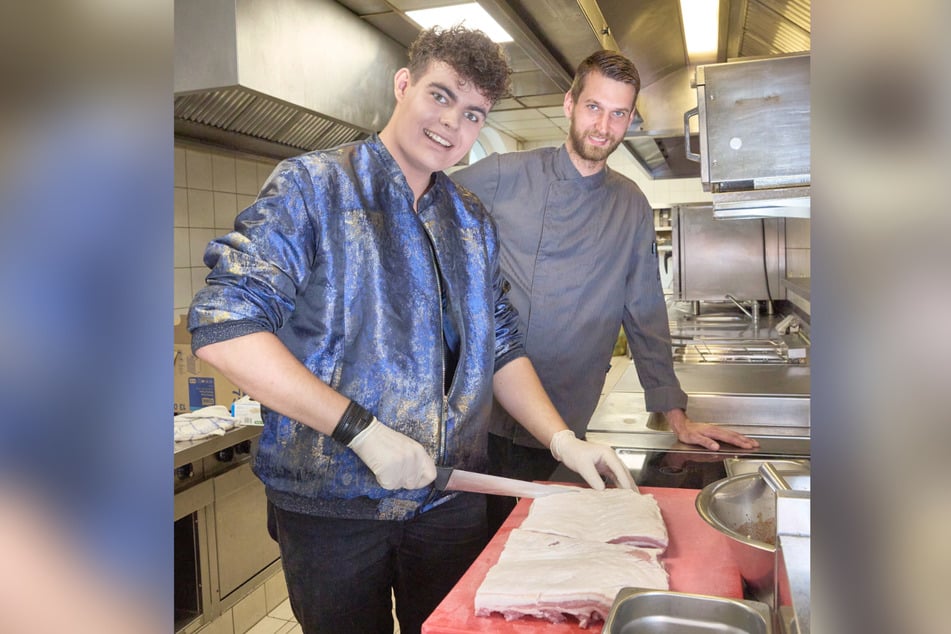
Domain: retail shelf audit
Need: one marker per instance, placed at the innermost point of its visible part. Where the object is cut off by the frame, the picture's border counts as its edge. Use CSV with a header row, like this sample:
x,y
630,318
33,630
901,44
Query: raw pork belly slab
x,y
550,576
615,516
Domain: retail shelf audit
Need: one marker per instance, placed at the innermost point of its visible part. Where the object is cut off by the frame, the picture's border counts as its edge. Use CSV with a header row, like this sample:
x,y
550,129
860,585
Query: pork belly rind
x,y
553,577
613,516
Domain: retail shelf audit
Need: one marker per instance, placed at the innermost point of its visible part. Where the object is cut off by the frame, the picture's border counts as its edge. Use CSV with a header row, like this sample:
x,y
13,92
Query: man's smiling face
x,y
600,117
437,119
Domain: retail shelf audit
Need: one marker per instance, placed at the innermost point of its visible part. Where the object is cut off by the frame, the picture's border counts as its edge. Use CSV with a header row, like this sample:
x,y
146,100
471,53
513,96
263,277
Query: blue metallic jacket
x,y
334,260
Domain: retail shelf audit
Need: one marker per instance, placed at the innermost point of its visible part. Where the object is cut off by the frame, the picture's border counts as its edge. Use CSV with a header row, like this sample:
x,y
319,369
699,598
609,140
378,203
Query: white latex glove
x,y
397,461
590,460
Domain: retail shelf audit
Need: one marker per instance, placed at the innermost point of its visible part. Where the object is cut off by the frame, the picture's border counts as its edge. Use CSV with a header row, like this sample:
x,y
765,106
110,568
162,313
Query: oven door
x,y
244,547
193,507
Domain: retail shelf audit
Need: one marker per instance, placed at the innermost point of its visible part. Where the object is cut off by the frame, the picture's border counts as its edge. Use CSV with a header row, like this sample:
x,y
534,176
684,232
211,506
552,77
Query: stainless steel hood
x,y
280,78
553,36
283,77
650,33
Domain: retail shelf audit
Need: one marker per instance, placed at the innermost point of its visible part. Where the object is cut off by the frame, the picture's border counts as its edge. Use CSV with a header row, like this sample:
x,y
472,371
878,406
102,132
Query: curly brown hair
x,y
469,52
610,64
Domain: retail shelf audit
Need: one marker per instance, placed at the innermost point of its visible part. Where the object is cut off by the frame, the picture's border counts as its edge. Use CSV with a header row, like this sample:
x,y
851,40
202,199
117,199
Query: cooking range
x,y
222,548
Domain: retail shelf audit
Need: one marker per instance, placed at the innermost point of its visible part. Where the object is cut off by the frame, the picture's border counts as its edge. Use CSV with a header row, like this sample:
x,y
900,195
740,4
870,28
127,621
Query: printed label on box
x,y
201,392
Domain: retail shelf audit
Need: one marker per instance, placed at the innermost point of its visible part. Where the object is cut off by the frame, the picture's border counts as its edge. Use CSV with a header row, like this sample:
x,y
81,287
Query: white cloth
x,y
204,423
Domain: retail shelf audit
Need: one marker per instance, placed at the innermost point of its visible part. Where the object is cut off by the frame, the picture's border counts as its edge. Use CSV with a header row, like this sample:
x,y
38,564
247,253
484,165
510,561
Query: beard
x,y
587,151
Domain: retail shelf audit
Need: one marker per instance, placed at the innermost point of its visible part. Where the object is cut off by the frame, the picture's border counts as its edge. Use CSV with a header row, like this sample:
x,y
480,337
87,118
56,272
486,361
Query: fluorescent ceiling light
x,y
471,15
701,20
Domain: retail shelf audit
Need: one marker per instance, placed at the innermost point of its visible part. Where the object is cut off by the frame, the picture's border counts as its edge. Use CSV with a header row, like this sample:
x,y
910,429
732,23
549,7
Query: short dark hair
x,y
610,64
469,52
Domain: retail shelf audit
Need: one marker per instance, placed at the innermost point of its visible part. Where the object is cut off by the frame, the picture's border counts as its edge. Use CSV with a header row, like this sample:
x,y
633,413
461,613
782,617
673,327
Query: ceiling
x,y
552,36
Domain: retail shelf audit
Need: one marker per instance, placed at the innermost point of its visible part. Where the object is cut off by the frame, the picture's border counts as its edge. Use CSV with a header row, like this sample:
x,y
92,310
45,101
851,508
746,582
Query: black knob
x,y
184,472
225,455
243,447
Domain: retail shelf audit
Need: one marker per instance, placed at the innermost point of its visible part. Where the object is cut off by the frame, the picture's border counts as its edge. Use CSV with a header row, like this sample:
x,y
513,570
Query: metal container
x,y
737,466
743,507
661,611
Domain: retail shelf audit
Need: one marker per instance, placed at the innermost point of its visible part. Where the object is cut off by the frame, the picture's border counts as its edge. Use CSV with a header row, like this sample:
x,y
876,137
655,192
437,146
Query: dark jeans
x,y
340,572
514,461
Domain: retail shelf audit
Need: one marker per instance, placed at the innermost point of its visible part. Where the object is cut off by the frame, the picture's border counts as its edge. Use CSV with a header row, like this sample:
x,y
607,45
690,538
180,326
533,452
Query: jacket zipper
x,y
441,440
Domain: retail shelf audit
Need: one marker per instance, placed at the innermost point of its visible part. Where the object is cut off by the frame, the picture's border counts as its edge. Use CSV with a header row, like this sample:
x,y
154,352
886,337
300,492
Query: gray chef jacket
x,y
579,254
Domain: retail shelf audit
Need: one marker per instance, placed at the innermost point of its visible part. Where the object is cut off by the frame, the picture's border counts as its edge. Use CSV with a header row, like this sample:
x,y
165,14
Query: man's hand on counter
x,y
705,434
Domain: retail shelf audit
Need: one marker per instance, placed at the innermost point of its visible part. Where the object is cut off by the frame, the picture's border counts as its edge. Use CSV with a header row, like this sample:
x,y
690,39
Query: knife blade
x,y
451,479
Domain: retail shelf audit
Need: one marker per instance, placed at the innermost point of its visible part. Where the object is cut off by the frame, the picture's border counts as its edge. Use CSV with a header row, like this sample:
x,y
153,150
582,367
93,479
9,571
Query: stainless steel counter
x,y
192,450
783,447
622,421
725,378
767,401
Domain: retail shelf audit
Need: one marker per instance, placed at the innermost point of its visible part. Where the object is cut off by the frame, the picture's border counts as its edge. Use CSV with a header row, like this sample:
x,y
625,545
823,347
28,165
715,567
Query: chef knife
x,y
450,479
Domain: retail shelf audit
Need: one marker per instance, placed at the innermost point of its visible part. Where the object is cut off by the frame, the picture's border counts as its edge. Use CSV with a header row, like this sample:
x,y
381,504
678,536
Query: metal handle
x,y
692,156
775,481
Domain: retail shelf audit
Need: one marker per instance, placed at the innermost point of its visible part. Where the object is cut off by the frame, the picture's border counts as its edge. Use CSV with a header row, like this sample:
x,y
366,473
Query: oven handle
x,y
692,156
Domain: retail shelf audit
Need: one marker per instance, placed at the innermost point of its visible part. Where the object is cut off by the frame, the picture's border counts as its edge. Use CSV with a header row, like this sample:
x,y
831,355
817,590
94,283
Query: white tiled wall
x,y
211,186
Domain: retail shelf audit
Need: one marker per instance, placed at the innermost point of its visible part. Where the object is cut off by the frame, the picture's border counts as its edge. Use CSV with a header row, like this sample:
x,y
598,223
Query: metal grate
x,y
241,111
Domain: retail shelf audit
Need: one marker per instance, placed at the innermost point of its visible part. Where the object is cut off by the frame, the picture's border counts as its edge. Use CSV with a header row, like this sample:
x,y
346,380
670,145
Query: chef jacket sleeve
x,y
646,325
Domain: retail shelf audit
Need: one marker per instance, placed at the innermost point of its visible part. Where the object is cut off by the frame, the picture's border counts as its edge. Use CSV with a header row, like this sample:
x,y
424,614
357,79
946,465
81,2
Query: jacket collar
x,y
396,175
566,170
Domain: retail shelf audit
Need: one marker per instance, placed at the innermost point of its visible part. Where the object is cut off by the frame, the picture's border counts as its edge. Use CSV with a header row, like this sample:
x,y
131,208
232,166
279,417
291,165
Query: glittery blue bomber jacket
x,y
334,260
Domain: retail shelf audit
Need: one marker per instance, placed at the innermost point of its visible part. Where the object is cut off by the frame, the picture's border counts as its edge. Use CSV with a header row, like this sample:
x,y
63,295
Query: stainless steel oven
x,y
242,542
222,548
713,257
192,591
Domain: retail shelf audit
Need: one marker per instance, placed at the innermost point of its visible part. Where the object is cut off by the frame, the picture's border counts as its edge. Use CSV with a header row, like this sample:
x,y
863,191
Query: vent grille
x,y
245,112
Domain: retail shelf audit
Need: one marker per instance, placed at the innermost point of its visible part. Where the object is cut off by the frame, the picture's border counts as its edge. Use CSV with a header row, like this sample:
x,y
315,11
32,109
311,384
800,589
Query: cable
x,y
769,295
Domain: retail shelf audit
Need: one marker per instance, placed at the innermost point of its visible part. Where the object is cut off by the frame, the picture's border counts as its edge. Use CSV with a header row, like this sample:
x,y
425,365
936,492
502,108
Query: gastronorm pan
x,y
739,466
644,611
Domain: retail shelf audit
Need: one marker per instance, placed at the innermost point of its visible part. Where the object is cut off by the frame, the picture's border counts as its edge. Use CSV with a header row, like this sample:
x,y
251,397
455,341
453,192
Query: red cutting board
x,y
698,560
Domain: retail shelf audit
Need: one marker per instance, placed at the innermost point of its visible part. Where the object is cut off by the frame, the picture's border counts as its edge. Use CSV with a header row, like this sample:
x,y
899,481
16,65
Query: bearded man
x,y
579,261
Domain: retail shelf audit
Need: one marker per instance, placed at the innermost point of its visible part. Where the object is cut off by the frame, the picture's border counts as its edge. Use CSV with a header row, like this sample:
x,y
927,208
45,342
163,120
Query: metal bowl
x,y
743,508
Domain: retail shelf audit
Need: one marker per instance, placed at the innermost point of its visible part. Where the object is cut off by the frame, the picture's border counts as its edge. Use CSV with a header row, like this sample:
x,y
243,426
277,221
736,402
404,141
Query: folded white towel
x,y
203,423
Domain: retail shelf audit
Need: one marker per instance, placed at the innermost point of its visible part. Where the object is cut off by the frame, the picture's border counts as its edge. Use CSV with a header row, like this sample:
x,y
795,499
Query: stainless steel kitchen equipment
x,y
549,38
714,258
238,70
743,508
737,466
793,544
660,611
754,121
192,588
751,415
222,547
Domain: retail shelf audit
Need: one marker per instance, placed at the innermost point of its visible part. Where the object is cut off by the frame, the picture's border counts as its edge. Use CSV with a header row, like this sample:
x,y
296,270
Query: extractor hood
x,y
656,138
282,78
279,78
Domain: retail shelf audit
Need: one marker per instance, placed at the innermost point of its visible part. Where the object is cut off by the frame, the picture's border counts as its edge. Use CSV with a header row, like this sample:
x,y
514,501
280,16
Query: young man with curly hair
x,y
359,300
